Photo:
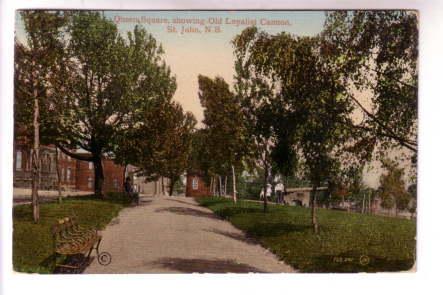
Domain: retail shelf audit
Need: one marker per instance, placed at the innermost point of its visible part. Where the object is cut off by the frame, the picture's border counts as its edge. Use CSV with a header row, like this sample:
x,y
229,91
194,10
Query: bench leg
x,y
89,253
98,245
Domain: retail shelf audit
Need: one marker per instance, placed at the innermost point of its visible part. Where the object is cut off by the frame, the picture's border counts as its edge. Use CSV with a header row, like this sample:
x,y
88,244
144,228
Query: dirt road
x,y
175,235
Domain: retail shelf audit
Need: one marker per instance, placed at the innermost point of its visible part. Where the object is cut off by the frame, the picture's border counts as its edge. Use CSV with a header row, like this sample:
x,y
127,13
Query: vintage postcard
x,y
215,141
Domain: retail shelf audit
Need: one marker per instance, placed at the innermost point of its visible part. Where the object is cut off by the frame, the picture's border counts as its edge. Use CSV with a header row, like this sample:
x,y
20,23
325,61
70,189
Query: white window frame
x,y
195,183
90,182
68,174
18,160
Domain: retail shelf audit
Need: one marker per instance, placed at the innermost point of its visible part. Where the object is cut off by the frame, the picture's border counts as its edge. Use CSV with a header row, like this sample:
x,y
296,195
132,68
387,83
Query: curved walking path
x,y
175,235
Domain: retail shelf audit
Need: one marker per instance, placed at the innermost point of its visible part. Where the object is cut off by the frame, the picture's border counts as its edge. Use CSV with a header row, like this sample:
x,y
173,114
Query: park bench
x,y
71,239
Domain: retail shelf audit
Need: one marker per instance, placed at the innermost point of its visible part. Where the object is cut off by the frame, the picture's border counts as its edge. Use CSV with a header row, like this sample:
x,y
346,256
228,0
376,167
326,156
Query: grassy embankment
x,y
33,243
347,242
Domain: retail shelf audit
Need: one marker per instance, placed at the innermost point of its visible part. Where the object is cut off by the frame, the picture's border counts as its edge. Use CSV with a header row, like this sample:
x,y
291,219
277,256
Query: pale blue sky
x,y
209,54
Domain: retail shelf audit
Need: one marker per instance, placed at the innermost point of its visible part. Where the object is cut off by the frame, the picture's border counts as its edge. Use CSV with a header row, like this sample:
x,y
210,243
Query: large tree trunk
x,y
225,187
98,176
59,180
36,155
234,188
163,186
314,209
172,181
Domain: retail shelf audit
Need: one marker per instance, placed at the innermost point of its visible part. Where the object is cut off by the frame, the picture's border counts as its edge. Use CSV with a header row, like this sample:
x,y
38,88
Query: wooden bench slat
x,y
71,239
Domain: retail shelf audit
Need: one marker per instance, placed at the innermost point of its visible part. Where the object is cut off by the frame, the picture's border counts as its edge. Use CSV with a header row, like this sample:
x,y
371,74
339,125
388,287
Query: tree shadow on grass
x,y
228,212
188,211
276,229
206,265
236,236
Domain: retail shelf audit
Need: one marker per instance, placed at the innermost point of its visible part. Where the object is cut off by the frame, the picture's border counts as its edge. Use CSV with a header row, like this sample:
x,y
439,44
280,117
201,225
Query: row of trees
x,y
322,106
391,191
223,137
80,84
296,105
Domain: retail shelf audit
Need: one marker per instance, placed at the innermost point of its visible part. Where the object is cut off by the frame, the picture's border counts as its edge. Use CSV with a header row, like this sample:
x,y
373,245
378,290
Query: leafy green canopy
x,y
376,53
294,100
93,83
36,65
100,83
111,82
392,188
223,124
159,145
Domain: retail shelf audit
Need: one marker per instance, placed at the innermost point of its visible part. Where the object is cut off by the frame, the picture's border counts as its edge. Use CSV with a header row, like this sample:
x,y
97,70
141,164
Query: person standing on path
x,y
127,186
279,188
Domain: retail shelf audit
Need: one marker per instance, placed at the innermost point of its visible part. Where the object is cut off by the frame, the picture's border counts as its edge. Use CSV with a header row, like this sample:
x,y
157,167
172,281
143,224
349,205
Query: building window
x,y
115,183
18,160
91,165
194,183
89,182
62,176
68,174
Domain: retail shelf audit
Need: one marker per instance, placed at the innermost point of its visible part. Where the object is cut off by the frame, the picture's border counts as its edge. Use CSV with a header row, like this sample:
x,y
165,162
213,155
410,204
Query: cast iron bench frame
x,y
70,239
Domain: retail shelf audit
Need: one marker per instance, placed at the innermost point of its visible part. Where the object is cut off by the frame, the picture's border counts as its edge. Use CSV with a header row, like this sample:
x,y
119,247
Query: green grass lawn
x,y
33,243
344,242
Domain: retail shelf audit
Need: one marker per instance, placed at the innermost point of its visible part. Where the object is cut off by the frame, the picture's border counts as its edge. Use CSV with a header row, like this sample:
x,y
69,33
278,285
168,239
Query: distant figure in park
x,y
279,188
268,192
127,186
129,190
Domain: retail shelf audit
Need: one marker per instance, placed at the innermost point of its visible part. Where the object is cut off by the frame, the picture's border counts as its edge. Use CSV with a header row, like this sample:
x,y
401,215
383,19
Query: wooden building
x,y
196,185
74,174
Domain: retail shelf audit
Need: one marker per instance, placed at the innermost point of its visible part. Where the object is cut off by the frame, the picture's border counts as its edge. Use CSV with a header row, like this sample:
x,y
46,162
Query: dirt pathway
x,y
175,235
